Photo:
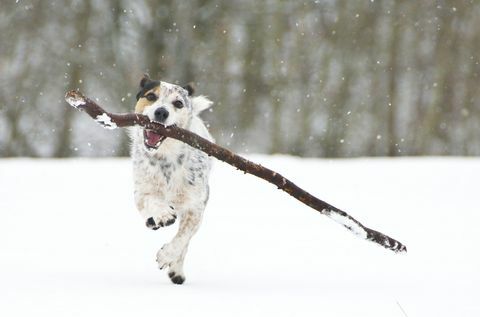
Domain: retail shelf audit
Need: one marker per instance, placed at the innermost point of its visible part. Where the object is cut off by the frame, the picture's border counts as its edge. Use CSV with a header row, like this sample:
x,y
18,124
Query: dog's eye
x,y
151,97
178,104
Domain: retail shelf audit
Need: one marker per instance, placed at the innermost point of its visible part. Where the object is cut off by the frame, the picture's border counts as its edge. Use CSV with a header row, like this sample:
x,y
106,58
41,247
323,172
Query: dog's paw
x,y
166,256
176,278
159,221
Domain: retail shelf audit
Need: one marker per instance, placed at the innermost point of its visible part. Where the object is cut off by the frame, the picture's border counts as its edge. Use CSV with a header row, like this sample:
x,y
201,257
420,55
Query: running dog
x,y
170,177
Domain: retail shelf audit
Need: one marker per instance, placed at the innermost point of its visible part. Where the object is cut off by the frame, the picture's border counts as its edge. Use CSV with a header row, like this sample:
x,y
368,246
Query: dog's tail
x,y
200,103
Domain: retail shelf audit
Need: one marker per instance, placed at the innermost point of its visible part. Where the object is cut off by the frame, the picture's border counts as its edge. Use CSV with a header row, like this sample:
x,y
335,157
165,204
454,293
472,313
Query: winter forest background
x,y
311,78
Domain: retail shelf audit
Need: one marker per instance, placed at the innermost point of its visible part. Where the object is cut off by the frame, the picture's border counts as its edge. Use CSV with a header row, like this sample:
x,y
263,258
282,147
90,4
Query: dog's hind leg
x,y
172,254
175,271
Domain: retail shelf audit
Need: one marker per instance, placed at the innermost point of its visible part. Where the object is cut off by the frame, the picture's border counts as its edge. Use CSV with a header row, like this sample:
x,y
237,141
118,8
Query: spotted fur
x,y
171,181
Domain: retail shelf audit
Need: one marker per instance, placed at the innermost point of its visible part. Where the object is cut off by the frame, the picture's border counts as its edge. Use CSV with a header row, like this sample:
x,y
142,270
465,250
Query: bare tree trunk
x,y
392,83
62,148
253,82
154,37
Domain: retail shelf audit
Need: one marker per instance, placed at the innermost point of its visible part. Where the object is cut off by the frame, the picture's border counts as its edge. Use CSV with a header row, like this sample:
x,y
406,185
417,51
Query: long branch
x,y
112,121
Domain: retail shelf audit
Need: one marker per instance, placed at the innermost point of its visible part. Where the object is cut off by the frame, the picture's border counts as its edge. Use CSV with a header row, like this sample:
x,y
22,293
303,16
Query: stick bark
x,y
111,121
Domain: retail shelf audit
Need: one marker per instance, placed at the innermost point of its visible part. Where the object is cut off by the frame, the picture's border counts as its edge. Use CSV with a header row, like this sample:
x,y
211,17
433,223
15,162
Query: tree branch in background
x,y
112,121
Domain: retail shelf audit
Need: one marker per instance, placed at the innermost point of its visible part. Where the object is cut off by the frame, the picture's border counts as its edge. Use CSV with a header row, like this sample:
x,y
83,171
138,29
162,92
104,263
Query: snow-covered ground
x,y
72,243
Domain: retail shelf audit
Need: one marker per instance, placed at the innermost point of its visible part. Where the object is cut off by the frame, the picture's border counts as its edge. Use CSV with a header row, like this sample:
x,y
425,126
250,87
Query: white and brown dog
x,y
170,177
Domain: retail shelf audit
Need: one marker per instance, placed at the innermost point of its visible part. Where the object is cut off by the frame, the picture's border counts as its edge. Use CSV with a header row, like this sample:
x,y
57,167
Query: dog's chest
x,y
158,173
170,173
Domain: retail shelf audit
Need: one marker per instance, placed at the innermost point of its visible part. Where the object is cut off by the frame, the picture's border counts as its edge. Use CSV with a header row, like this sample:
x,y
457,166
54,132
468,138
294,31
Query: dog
x,y
170,177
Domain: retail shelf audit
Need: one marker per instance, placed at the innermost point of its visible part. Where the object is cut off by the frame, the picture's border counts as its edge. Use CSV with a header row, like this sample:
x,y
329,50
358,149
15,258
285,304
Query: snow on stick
x,y
112,121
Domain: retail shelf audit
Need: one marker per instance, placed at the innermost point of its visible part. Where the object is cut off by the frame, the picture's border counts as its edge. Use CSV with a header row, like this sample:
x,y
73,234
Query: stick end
x,y
395,245
401,249
75,99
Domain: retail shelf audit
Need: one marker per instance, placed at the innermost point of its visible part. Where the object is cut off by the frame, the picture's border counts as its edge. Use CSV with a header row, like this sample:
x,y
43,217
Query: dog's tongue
x,y
152,138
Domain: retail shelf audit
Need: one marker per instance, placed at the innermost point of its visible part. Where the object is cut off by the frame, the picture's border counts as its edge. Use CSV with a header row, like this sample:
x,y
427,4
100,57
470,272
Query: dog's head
x,y
167,104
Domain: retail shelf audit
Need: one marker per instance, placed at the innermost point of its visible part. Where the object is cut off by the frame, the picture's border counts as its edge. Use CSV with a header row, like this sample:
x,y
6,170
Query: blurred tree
x,y
321,78
81,17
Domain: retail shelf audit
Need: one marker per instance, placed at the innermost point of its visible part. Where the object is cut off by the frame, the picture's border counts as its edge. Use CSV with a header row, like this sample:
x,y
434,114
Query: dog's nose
x,y
161,114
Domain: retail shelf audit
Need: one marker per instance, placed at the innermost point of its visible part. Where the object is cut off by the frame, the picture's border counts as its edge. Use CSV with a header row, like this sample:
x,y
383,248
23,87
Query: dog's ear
x,y
200,103
145,79
189,87
146,84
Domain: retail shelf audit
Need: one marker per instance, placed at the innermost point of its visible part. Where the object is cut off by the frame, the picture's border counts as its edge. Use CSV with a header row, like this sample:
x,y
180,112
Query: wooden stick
x,y
112,121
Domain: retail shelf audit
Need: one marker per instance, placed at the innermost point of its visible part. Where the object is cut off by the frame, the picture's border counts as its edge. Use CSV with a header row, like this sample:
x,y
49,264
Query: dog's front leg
x,y
172,254
156,212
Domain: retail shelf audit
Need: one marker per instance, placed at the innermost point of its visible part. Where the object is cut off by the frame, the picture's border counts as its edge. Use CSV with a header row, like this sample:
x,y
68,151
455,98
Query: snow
x,y
105,120
346,222
75,101
72,243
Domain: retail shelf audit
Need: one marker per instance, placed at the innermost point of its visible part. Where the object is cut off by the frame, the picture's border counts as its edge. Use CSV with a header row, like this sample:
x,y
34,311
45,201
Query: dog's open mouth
x,y
152,140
